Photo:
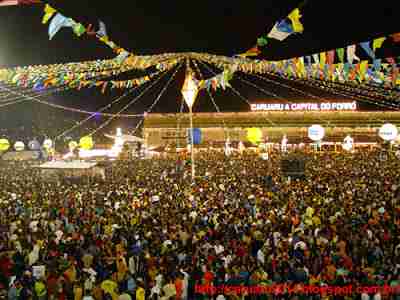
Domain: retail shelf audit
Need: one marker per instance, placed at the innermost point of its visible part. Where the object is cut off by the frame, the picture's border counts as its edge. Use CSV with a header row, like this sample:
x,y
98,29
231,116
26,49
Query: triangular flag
x,y
278,32
102,30
9,2
377,43
57,23
363,69
391,60
316,58
78,29
351,54
262,41
340,53
48,13
367,49
322,57
396,37
331,57
295,16
377,64
18,2
251,52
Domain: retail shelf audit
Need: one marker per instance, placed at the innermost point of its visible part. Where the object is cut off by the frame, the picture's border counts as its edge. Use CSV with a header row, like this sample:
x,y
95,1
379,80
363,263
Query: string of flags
x,y
218,81
59,21
281,31
340,65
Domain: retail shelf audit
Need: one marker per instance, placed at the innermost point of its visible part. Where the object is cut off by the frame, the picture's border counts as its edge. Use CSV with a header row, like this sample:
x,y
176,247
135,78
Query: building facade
x,y
171,130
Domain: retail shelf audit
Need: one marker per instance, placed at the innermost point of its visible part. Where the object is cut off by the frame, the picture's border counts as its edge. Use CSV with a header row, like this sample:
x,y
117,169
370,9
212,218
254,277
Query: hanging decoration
x,y
281,31
316,133
326,66
77,76
254,135
197,136
72,145
47,144
219,81
34,145
19,146
18,2
286,27
86,143
4,144
388,132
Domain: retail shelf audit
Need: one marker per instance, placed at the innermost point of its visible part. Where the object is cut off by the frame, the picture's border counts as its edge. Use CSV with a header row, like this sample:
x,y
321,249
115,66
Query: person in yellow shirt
x,y
140,292
78,292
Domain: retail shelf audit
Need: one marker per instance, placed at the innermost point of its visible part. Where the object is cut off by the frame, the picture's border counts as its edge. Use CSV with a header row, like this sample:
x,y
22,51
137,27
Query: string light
x,y
237,93
133,101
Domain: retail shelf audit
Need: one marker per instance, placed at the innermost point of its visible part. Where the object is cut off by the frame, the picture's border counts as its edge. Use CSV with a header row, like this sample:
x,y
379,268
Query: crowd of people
x,y
149,232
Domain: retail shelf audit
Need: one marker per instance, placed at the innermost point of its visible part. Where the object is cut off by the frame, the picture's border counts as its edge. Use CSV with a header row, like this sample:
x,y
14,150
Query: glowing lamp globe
x,y
316,133
190,90
254,135
47,144
86,143
72,145
19,146
388,132
4,145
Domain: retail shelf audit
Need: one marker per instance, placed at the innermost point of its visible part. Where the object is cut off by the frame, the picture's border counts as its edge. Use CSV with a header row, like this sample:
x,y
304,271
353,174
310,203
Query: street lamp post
x,y
192,141
189,91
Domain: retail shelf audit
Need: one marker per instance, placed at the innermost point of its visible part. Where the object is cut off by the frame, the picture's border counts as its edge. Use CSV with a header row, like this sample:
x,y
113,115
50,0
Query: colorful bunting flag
x,y
322,57
18,2
396,37
251,52
340,53
377,43
367,49
286,27
351,54
262,41
58,22
295,17
330,57
279,31
48,13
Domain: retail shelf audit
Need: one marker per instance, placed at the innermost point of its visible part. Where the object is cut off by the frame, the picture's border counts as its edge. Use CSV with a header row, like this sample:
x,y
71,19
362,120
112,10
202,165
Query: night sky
x,y
218,27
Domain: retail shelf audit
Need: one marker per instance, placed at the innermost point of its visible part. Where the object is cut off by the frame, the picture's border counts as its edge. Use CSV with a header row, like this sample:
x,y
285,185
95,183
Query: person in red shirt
x,y
6,266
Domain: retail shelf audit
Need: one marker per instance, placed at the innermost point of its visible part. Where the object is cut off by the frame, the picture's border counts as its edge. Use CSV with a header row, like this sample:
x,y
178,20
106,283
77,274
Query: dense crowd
x,y
147,232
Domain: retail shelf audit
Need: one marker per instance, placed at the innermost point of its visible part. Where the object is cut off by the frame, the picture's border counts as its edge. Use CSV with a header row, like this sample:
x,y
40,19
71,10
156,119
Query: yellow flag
x,y
295,16
48,13
363,69
322,59
377,43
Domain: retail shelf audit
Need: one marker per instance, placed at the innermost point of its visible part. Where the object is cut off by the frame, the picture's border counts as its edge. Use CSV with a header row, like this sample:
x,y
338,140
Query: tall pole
x,y
190,90
192,141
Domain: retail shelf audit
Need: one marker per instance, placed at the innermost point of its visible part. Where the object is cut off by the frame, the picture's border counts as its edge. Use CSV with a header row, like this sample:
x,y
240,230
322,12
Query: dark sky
x,y
218,26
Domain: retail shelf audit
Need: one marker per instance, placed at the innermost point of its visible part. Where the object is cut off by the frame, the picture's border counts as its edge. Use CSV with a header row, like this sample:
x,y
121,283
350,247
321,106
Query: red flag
x,y
330,57
18,2
391,60
396,37
8,2
251,52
